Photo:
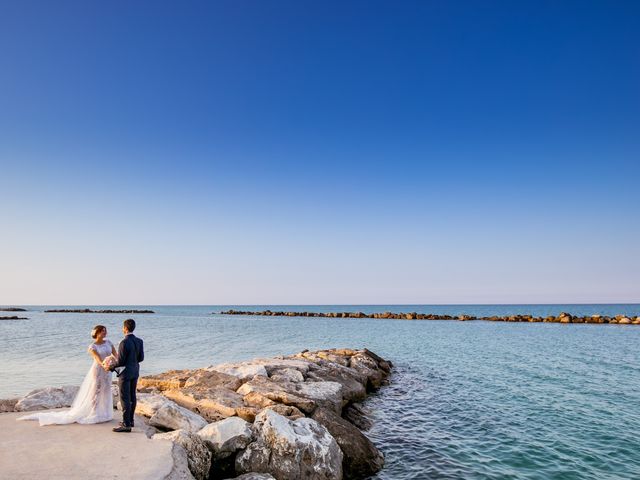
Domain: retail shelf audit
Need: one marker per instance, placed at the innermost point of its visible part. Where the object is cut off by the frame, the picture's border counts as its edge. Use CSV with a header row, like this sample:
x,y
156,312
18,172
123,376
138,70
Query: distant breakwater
x,y
562,318
88,310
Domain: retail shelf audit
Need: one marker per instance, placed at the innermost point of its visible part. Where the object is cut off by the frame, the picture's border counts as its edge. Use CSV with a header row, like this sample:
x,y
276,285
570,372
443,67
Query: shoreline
x,y
295,416
561,318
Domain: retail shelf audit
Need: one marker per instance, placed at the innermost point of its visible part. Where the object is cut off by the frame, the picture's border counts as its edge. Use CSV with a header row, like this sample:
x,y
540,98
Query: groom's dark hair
x,y
130,325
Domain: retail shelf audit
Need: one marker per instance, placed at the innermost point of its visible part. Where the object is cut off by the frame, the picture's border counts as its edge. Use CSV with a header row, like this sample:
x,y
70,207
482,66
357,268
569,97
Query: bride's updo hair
x,y
96,330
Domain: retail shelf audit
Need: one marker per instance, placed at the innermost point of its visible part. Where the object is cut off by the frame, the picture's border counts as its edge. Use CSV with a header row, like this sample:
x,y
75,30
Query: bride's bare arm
x,y
113,351
95,355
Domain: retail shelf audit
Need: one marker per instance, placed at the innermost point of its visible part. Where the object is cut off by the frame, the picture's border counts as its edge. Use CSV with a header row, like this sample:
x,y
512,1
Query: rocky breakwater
x,y
289,417
12,317
88,310
561,318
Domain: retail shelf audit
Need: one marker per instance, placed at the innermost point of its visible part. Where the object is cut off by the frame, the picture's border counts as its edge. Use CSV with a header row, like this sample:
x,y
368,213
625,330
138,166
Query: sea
x,y
467,400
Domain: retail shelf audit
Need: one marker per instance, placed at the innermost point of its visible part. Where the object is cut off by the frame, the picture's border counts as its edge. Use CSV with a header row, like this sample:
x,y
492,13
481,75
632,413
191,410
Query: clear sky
x,y
319,152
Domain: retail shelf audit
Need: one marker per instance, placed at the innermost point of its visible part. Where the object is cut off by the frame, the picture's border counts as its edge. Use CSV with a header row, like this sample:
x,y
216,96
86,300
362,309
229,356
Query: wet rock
x,y
226,436
291,450
45,398
361,458
356,414
198,455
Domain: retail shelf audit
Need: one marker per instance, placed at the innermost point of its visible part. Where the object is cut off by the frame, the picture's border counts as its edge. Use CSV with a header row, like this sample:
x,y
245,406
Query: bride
x,y
94,401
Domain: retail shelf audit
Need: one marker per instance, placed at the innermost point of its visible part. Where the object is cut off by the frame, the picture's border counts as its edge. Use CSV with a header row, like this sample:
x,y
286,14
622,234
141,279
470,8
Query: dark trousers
x,y
128,399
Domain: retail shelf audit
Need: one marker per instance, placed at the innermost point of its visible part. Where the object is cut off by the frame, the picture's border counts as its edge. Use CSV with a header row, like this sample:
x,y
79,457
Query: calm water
x,y
470,400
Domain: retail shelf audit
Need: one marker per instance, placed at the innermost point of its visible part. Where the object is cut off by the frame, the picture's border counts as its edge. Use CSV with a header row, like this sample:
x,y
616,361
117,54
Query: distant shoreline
x,y
562,318
88,310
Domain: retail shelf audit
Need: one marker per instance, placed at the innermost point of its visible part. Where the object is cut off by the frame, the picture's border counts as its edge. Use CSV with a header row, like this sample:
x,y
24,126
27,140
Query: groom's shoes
x,y
122,428
121,424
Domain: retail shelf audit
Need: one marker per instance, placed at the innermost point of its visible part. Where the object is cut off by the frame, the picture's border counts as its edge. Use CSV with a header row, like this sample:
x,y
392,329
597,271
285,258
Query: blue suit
x,y
130,354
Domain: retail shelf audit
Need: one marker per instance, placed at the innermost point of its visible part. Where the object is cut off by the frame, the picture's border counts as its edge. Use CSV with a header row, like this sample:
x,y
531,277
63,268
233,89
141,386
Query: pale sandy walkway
x,y
28,451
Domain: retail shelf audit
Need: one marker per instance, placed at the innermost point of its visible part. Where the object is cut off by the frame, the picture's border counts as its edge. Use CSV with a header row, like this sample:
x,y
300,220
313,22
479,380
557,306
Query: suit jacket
x,y
130,354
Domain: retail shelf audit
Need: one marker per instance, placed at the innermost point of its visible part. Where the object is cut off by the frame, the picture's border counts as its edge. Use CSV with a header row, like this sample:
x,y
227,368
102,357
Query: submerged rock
x,y
291,450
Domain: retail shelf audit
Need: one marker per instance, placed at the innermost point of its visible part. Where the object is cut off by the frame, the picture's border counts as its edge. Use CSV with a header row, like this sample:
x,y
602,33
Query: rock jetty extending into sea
x,y
87,310
562,318
13,317
12,309
296,417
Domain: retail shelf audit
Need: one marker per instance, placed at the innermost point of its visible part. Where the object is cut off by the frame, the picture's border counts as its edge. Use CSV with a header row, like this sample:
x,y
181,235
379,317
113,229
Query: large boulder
x,y
226,436
367,366
291,450
213,403
205,378
198,455
45,398
353,382
242,370
149,403
165,380
287,375
171,416
361,458
326,394
278,393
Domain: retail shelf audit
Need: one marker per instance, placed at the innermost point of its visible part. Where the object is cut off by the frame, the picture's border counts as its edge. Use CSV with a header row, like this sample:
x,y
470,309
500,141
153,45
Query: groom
x,y
130,354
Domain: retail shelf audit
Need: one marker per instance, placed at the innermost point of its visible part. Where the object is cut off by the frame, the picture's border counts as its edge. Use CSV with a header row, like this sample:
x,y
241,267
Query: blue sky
x,y
319,152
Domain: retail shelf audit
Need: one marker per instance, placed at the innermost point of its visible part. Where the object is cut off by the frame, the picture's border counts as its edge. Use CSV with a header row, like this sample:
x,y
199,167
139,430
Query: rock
x,y
149,403
13,317
12,309
357,415
8,405
213,403
273,364
255,476
326,394
243,371
167,380
288,411
45,398
636,321
287,375
174,417
368,367
213,378
198,455
625,320
353,382
263,387
361,458
291,450
226,436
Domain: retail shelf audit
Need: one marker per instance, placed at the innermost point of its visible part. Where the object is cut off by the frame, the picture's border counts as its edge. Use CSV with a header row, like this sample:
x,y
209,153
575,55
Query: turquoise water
x,y
471,400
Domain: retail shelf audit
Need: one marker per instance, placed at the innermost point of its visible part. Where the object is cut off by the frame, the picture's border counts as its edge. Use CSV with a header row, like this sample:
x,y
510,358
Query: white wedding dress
x,y
94,401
